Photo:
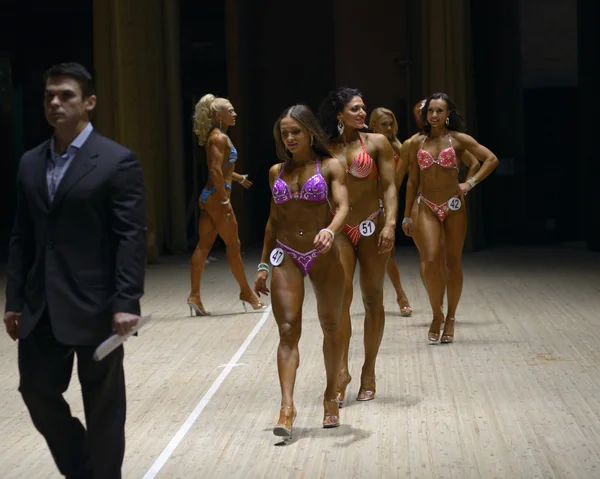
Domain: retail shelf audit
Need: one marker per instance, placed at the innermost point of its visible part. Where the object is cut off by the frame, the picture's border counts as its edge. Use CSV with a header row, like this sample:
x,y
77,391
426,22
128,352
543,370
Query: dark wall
x,y
34,35
203,70
526,101
525,58
585,126
291,60
499,113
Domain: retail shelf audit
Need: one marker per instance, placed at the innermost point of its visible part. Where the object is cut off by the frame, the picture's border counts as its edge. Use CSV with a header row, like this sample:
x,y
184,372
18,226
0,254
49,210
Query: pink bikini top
x,y
314,189
446,158
363,166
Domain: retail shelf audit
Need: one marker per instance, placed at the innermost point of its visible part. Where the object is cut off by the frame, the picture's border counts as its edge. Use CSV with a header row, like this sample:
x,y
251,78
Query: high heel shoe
x,y
448,338
258,306
406,310
283,428
340,396
432,335
331,415
197,308
366,393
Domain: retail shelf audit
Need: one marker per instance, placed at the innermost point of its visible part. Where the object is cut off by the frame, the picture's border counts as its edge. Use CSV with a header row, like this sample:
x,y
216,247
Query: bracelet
x,y
472,181
226,202
330,232
407,221
244,178
263,267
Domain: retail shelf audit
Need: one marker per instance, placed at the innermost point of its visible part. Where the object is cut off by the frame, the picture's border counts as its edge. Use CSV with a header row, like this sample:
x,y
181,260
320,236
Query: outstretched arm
x,y
401,166
21,251
269,241
414,177
21,255
241,179
387,178
127,196
339,192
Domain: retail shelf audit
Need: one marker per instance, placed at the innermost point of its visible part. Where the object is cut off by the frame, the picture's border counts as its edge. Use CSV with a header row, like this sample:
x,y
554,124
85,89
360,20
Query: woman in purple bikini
x,y
299,241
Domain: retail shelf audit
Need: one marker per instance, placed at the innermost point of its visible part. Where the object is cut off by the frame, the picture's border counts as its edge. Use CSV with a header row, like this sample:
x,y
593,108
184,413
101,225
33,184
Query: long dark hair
x,y
303,115
334,102
455,119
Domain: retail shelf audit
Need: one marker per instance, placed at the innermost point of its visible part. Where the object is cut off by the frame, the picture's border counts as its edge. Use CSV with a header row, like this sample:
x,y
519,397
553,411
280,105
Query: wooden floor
x,y
516,396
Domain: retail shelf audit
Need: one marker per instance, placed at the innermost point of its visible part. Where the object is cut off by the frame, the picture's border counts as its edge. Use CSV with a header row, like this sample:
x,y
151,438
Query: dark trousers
x,y
45,368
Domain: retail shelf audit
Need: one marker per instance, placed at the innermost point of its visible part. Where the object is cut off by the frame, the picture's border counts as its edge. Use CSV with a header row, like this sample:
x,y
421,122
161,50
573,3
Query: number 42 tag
x,y
454,204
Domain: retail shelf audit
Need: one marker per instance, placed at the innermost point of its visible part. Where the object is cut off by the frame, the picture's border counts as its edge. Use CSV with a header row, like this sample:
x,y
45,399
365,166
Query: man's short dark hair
x,y
72,70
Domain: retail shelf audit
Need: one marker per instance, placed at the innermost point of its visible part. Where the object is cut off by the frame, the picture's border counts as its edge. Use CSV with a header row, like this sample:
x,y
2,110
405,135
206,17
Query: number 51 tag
x,y
367,228
276,256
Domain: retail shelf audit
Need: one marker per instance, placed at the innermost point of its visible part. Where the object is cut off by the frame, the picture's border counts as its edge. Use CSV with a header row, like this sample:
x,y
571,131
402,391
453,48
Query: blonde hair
x,y
376,118
204,115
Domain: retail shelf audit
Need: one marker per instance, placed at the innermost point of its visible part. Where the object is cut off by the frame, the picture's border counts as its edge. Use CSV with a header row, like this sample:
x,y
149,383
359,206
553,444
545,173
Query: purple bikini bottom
x,y
303,260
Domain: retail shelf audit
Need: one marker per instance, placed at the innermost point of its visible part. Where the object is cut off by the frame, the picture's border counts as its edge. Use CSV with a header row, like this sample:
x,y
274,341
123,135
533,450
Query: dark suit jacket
x,y
82,255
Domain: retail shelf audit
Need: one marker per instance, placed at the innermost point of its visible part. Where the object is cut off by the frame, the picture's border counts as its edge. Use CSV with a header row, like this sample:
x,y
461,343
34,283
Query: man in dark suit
x,y
76,274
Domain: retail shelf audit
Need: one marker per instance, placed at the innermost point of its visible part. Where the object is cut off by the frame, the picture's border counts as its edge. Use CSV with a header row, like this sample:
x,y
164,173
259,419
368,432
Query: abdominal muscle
x,y
299,221
438,185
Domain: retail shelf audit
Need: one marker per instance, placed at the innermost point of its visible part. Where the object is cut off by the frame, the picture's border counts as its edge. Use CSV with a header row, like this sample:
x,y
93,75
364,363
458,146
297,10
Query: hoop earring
x,y
340,126
447,121
312,140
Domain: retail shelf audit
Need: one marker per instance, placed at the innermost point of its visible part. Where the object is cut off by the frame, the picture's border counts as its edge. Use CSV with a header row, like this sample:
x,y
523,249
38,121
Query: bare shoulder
x,y
377,139
462,138
275,169
416,140
405,148
333,165
218,138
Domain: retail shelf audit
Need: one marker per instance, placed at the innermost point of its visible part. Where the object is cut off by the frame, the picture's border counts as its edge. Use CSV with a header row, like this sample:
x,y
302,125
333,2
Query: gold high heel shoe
x,y
331,415
259,306
198,309
283,428
448,338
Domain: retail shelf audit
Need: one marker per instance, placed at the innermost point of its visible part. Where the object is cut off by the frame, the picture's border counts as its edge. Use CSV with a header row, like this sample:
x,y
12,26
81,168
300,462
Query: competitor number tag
x,y
454,204
367,228
276,256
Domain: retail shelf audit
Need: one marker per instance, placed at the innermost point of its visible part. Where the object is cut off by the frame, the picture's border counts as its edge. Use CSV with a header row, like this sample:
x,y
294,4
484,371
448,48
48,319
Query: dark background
x,y
534,88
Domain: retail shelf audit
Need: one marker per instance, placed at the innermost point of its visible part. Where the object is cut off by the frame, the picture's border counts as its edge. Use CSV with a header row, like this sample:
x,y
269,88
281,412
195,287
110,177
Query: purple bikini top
x,y
314,189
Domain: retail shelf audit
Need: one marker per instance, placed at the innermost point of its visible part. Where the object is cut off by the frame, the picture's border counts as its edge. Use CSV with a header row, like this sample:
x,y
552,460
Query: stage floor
x,y
516,396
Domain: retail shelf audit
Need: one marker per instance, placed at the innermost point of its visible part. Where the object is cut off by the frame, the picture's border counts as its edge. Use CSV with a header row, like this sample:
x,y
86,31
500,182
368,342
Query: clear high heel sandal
x,y
283,428
197,309
260,306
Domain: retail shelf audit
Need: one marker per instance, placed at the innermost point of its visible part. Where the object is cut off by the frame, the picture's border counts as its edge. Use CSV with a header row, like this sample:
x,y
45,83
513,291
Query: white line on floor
x,y
183,430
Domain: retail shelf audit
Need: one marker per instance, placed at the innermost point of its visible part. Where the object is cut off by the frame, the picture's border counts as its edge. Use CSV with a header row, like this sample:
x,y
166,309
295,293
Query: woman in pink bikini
x,y
299,242
433,181
411,212
368,238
